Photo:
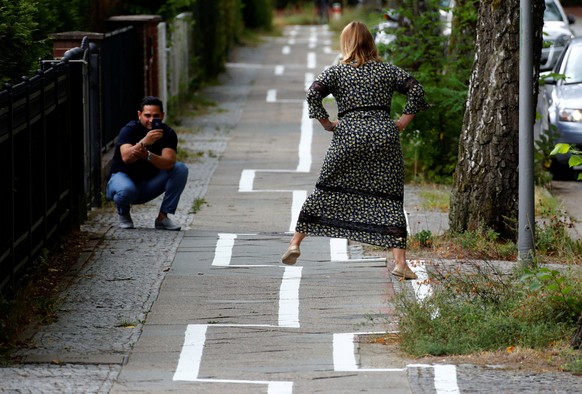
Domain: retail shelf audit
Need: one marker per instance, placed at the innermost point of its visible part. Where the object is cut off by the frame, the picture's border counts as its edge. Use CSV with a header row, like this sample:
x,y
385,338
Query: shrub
x,y
430,144
477,307
17,25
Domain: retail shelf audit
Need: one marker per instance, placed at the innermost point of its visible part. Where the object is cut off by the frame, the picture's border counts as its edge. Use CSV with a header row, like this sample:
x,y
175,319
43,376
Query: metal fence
x,y
58,127
37,154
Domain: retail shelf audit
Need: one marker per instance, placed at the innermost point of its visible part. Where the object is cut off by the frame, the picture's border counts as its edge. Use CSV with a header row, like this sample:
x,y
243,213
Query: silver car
x,y
557,33
564,95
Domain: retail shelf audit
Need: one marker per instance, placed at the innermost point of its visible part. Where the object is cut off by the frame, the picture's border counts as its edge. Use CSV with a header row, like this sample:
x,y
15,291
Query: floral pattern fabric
x,y
359,193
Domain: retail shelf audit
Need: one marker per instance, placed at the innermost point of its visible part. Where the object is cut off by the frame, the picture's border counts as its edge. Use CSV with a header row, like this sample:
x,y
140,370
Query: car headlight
x,y
571,115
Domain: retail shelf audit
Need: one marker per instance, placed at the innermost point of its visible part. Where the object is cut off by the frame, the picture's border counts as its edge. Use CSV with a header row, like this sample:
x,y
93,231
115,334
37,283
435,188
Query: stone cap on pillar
x,y
64,41
134,19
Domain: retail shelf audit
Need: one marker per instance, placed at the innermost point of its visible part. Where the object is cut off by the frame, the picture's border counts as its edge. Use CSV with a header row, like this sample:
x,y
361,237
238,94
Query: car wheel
x,y
562,172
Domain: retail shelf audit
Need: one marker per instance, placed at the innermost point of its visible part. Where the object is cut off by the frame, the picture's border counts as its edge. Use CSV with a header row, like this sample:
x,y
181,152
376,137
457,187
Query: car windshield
x,y
573,69
552,13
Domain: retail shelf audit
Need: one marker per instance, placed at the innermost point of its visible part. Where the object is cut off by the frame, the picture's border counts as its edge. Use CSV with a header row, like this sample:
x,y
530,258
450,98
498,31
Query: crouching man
x,y
144,166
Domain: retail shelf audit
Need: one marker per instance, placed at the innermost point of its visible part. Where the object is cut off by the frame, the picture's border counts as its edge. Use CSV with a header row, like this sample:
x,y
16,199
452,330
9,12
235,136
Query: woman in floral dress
x,y
360,190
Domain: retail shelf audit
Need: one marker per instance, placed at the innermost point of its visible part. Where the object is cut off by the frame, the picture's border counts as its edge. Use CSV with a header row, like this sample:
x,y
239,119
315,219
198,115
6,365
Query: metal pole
x,y
526,217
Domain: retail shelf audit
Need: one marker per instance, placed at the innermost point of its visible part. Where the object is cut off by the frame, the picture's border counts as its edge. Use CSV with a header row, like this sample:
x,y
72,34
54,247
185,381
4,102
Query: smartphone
x,y
156,124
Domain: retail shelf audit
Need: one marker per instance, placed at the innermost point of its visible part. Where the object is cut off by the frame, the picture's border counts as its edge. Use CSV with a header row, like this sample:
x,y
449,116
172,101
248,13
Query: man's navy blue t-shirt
x,y
132,133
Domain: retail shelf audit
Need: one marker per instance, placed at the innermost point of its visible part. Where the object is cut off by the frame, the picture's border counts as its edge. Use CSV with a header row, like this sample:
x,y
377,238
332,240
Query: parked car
x,y
557,33
446,16
384,32
564,99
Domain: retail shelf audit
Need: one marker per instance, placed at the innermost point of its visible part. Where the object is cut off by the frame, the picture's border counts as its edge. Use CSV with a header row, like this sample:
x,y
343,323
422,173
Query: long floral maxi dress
x,y
360,190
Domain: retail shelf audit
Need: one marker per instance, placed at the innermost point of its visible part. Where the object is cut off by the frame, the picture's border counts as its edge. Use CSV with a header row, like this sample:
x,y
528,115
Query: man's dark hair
x,y
151,100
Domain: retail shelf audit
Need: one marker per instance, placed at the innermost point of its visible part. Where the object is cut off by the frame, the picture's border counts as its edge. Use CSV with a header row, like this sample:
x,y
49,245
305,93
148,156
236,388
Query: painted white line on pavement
x,y
305,141
223,250
191,355
344,354
279,70
327,50
247,178
338,249
421,286
289,290
289,297
312,43
299,197
311,60
445,379
280,388
309,77
286,50
272,387
344,360
271,95
291,41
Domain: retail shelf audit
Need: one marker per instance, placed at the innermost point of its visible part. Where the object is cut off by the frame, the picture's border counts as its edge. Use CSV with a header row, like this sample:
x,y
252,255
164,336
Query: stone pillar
x,y
146,29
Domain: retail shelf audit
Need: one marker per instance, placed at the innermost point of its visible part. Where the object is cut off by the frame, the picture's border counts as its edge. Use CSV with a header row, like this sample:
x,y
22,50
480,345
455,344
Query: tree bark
x,y
577,338
485,185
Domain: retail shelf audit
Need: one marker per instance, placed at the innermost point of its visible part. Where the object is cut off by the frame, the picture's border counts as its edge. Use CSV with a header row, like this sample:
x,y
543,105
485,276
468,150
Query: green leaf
x,y
560,149
544,275
574,161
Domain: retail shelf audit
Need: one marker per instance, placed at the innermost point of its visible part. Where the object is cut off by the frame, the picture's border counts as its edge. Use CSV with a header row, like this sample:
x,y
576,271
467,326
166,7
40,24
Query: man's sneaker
x,y
167,224
125,221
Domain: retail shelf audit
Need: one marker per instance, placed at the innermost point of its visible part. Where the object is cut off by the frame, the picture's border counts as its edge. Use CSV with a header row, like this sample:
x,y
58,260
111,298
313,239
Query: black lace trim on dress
x,y
365,193
398,232
407,85
321,88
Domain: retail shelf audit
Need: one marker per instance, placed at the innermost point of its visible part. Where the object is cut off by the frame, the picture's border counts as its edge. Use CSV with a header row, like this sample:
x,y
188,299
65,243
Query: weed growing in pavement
x,y
475,307
554,242
546,205
424,238
186,155
197,205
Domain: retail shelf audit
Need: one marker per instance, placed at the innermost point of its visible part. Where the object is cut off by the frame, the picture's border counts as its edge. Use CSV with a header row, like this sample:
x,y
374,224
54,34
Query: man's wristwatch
x,y
149,156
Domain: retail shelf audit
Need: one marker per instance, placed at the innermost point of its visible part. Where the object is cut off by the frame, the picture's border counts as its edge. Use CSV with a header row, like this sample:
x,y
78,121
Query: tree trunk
x,y
485,186
577,338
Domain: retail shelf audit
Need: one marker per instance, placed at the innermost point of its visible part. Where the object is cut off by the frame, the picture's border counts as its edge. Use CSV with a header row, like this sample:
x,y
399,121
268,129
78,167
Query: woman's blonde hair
x,y
357,45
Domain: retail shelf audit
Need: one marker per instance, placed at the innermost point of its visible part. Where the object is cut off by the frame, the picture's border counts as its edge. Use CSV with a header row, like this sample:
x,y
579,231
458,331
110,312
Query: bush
x,y
257,14
17,25
24,29
477,307
431,142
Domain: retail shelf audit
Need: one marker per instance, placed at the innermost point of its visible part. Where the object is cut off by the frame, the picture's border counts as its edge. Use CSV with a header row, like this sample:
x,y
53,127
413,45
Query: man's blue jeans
x,y
124,192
